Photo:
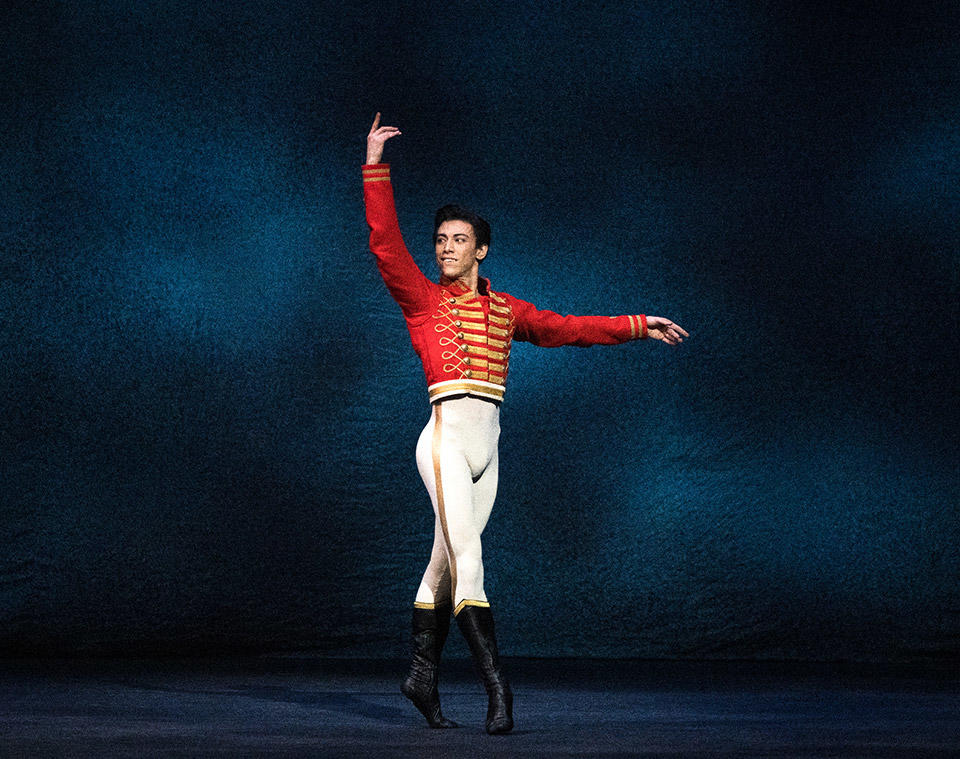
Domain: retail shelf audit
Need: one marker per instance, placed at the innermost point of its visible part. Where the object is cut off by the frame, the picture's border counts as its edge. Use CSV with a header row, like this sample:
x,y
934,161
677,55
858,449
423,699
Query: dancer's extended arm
x,y
550,329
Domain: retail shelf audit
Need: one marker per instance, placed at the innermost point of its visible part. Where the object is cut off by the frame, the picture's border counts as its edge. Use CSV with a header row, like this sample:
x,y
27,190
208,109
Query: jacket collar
x,y
458,288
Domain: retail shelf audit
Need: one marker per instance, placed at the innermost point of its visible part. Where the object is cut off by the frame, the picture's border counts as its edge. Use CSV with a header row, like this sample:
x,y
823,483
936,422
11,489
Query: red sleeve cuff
x,y
638,326
376,172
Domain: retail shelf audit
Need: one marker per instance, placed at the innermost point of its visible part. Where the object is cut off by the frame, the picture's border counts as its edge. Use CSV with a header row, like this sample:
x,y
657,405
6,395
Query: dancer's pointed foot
x,y
427,702
476,624
430,626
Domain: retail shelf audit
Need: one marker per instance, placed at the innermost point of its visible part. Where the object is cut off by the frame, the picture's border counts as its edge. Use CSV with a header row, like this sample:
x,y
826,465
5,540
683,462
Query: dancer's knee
x,y
470,574
435,585
467,549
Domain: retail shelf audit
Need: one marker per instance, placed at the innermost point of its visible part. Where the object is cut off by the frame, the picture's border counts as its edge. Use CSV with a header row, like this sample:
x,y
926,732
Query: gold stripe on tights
x,y
438,484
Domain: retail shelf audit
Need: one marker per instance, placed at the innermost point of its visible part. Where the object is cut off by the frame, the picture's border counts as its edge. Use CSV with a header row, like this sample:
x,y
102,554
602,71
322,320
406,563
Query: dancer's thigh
x,y
485,493
455,503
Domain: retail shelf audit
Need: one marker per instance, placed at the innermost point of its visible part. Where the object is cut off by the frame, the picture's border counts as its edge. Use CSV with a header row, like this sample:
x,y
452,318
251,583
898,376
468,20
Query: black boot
x,y
430,628
476,624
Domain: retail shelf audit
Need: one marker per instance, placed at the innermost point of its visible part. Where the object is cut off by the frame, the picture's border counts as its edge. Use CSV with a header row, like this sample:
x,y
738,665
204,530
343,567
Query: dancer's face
x,y
456,249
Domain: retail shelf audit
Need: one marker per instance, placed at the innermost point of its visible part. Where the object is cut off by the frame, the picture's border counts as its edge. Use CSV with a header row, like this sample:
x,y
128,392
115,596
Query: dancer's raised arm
x,y
407,284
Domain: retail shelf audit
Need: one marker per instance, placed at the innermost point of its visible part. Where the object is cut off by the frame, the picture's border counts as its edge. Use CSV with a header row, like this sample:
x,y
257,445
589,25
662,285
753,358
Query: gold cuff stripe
x,y
470,602
377,170
376,179
633,327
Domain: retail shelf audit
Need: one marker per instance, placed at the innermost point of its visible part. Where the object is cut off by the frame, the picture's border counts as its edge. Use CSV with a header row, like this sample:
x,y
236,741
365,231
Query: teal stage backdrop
x,y
210,403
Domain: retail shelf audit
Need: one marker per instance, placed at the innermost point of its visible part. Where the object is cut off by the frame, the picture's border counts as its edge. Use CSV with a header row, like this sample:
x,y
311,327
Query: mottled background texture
x,y
210,403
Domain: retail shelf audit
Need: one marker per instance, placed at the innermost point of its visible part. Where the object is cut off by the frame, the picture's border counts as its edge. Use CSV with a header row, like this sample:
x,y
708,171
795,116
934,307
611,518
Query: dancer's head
x,y
461,240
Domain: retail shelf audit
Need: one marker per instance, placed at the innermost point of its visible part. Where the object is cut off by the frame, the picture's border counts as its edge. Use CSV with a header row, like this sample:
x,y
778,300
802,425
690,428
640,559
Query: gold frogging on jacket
x,y
476,347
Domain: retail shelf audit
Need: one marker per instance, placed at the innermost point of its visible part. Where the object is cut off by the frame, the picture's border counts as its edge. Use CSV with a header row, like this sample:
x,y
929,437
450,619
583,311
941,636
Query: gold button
x,y
463,346
455,312
452,300
466,360
459,324
468,373
459,336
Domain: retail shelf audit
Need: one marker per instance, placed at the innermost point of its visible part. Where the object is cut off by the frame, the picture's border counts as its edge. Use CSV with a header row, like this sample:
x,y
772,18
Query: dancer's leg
x,y
476,624
462,445
431,620
461,475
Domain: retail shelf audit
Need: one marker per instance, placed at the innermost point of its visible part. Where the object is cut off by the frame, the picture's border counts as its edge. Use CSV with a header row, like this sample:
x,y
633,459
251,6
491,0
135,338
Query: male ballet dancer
x,y
462,331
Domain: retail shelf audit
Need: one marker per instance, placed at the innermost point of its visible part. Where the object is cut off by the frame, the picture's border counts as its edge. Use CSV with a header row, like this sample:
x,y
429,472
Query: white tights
x,y
457,459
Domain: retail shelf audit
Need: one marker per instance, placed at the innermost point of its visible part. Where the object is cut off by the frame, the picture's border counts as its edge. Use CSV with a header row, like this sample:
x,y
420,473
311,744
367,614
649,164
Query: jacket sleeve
x,y
406,283
551,330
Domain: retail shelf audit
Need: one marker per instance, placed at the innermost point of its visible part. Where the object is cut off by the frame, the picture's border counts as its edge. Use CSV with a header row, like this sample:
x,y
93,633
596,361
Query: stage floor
x,y
293,706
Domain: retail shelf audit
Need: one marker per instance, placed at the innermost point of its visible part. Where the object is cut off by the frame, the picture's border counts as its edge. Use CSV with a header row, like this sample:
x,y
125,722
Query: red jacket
x,y
464,340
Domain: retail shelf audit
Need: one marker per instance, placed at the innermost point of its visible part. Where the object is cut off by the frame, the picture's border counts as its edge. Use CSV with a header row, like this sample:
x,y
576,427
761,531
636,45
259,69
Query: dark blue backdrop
x,y
210,403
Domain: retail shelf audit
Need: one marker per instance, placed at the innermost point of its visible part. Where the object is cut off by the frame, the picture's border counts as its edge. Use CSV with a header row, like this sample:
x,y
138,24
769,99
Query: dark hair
x,y
455,213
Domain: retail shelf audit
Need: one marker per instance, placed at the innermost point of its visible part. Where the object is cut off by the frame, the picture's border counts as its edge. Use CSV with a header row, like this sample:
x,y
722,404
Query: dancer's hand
x,y
663,329
378,135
